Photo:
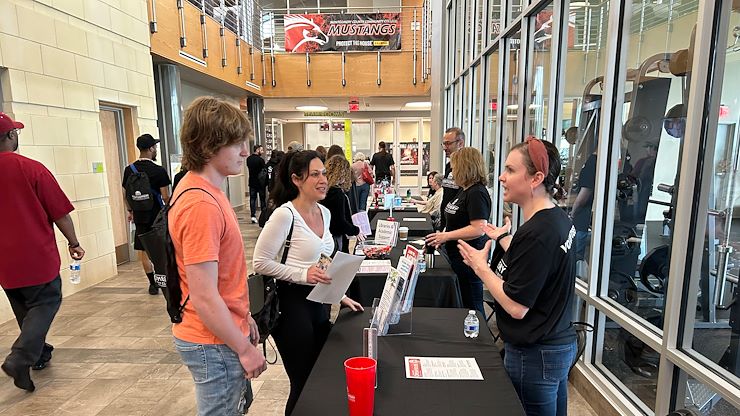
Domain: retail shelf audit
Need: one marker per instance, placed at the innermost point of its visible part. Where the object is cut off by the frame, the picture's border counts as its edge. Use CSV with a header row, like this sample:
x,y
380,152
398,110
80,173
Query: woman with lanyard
x,y
303,325
466,215
532,279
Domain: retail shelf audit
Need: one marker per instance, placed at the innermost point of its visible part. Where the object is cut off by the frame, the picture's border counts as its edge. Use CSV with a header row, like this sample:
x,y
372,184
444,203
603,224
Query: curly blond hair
x,y
338,172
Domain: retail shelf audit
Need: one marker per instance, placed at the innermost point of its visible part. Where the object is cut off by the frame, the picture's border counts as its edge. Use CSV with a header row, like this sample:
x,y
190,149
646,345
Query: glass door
x,y
384,131
407,156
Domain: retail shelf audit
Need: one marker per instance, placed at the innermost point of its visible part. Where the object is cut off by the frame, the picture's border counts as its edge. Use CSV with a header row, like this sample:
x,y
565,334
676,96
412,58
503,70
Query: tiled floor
x,y
114,356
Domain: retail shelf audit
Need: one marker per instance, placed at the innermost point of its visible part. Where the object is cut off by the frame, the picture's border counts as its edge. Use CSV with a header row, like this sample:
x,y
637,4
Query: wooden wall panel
x,y
290,69
166,43
361,73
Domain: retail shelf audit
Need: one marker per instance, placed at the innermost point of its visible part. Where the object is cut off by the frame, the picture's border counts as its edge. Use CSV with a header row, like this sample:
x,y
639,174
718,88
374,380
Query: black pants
x,y
471,287
34,308
253,192
301,332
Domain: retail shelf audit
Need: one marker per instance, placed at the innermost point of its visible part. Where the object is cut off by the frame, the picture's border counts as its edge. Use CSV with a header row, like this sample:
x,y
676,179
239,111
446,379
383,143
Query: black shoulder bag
x,y
263,300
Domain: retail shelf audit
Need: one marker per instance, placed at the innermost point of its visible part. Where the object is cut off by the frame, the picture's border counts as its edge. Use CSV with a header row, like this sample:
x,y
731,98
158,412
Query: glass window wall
x,y
713,330
491,130
538,85
643,123
581,116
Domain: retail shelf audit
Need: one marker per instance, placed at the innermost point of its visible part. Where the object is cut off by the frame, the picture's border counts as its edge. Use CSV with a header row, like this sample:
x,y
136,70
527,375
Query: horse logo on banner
x,y
301,31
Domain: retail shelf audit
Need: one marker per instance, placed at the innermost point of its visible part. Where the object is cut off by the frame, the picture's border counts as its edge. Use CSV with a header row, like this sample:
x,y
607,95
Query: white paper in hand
x,y
341,271
361,221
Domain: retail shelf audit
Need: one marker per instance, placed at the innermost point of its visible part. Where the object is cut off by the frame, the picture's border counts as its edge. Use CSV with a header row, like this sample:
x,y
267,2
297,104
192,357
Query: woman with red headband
x,y
532,279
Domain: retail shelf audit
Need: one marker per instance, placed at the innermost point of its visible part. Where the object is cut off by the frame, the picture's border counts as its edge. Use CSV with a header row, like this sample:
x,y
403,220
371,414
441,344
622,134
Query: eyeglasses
x,y
448,144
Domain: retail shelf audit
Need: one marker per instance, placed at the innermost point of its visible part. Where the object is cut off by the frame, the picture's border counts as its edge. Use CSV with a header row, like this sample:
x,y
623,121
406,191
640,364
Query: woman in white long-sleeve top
x,y
303,325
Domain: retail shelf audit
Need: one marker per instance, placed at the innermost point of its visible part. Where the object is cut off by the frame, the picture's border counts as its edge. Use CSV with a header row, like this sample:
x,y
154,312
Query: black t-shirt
x,y
382,161
158,178
470,204
255,164
449,191
538,272
586,179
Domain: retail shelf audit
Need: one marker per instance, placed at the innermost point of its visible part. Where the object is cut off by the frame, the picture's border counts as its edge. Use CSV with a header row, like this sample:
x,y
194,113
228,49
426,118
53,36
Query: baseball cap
x,y
146,141
7,124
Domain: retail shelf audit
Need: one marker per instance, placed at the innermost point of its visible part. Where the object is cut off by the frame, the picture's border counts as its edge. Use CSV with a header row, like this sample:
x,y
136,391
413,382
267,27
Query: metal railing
x,y
263,30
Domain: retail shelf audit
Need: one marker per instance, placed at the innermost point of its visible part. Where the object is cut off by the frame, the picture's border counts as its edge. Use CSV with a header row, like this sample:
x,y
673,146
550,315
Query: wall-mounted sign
x,y
324,114
320,32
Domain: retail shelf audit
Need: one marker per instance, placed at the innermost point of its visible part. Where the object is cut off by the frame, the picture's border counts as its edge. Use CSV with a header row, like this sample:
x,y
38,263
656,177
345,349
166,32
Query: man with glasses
x,y
452,141
32,202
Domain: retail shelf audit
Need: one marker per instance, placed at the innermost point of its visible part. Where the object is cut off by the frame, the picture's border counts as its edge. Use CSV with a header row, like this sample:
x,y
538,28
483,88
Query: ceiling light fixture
x,y
310,108
419,104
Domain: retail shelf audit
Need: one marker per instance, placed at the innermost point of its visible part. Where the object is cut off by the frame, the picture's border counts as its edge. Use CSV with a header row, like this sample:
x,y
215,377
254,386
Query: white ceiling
x,y
341,104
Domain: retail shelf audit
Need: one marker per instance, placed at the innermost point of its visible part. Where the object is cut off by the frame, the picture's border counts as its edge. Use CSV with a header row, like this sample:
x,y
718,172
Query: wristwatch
x,y
501,237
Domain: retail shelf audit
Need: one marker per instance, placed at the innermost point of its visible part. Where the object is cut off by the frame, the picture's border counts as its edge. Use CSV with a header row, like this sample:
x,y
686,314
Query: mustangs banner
x,y
342,32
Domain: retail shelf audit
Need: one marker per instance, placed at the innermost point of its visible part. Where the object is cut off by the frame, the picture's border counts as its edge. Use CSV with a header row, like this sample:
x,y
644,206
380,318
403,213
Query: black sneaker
x,y
44,359
153,290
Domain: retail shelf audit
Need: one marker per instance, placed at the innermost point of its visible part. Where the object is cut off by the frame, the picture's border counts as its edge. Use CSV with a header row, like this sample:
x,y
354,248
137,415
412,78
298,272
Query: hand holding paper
x,y
340,274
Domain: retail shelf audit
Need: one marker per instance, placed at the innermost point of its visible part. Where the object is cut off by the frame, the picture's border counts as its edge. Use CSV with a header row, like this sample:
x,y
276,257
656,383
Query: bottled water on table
x,y
74,272
472,325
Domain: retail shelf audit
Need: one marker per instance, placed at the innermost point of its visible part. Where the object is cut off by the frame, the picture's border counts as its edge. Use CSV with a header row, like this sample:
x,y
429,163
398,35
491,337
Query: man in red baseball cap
x,y
32,202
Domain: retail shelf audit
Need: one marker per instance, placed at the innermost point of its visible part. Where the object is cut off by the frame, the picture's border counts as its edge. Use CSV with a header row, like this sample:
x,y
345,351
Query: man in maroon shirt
x,y
31,201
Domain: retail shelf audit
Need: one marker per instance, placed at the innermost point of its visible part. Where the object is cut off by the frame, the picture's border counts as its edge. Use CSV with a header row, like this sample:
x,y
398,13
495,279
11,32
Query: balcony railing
x,y
263,30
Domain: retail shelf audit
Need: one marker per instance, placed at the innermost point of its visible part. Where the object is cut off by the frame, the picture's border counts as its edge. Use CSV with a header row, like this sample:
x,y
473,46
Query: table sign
x,y
375,266
386,233
414,219
388,201
442,368
370,346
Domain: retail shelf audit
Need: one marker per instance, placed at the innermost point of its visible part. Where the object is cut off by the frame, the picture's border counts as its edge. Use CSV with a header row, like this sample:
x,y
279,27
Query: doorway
x,y
116,158
409,142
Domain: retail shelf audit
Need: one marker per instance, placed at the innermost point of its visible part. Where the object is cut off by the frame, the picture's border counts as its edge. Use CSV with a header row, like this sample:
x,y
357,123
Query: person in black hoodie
x,y
272,165
339,175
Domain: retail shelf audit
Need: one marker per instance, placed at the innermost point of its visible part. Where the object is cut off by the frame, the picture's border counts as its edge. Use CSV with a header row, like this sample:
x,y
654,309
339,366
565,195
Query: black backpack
x,y
140,195
158,246
263,177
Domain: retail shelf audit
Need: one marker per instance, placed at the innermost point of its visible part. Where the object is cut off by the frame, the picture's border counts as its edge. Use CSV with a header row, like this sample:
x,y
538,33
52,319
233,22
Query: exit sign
x,y
354,104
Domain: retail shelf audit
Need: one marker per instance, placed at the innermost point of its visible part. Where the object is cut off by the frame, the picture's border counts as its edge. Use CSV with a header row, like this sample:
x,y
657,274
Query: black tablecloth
x,y
436,333
437,287
416,228
372,211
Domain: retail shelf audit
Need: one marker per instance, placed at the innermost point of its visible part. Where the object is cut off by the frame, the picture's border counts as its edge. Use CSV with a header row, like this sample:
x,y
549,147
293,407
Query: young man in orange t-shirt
x,y
217,338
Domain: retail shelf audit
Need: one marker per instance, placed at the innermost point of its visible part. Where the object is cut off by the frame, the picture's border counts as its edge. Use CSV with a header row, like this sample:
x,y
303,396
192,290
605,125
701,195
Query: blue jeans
x,y
582,238
540,376
220,382
363,191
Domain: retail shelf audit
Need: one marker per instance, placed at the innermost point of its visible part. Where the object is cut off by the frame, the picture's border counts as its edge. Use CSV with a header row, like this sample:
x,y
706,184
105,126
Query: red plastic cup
x,y
360,373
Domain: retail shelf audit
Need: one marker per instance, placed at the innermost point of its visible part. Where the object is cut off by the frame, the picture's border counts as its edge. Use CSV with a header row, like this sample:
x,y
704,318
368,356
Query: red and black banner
x,y
342,32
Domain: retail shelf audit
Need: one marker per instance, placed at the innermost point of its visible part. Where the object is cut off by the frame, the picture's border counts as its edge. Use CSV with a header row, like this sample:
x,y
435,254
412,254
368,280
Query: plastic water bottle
x,y
422,264
74,272
472,325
